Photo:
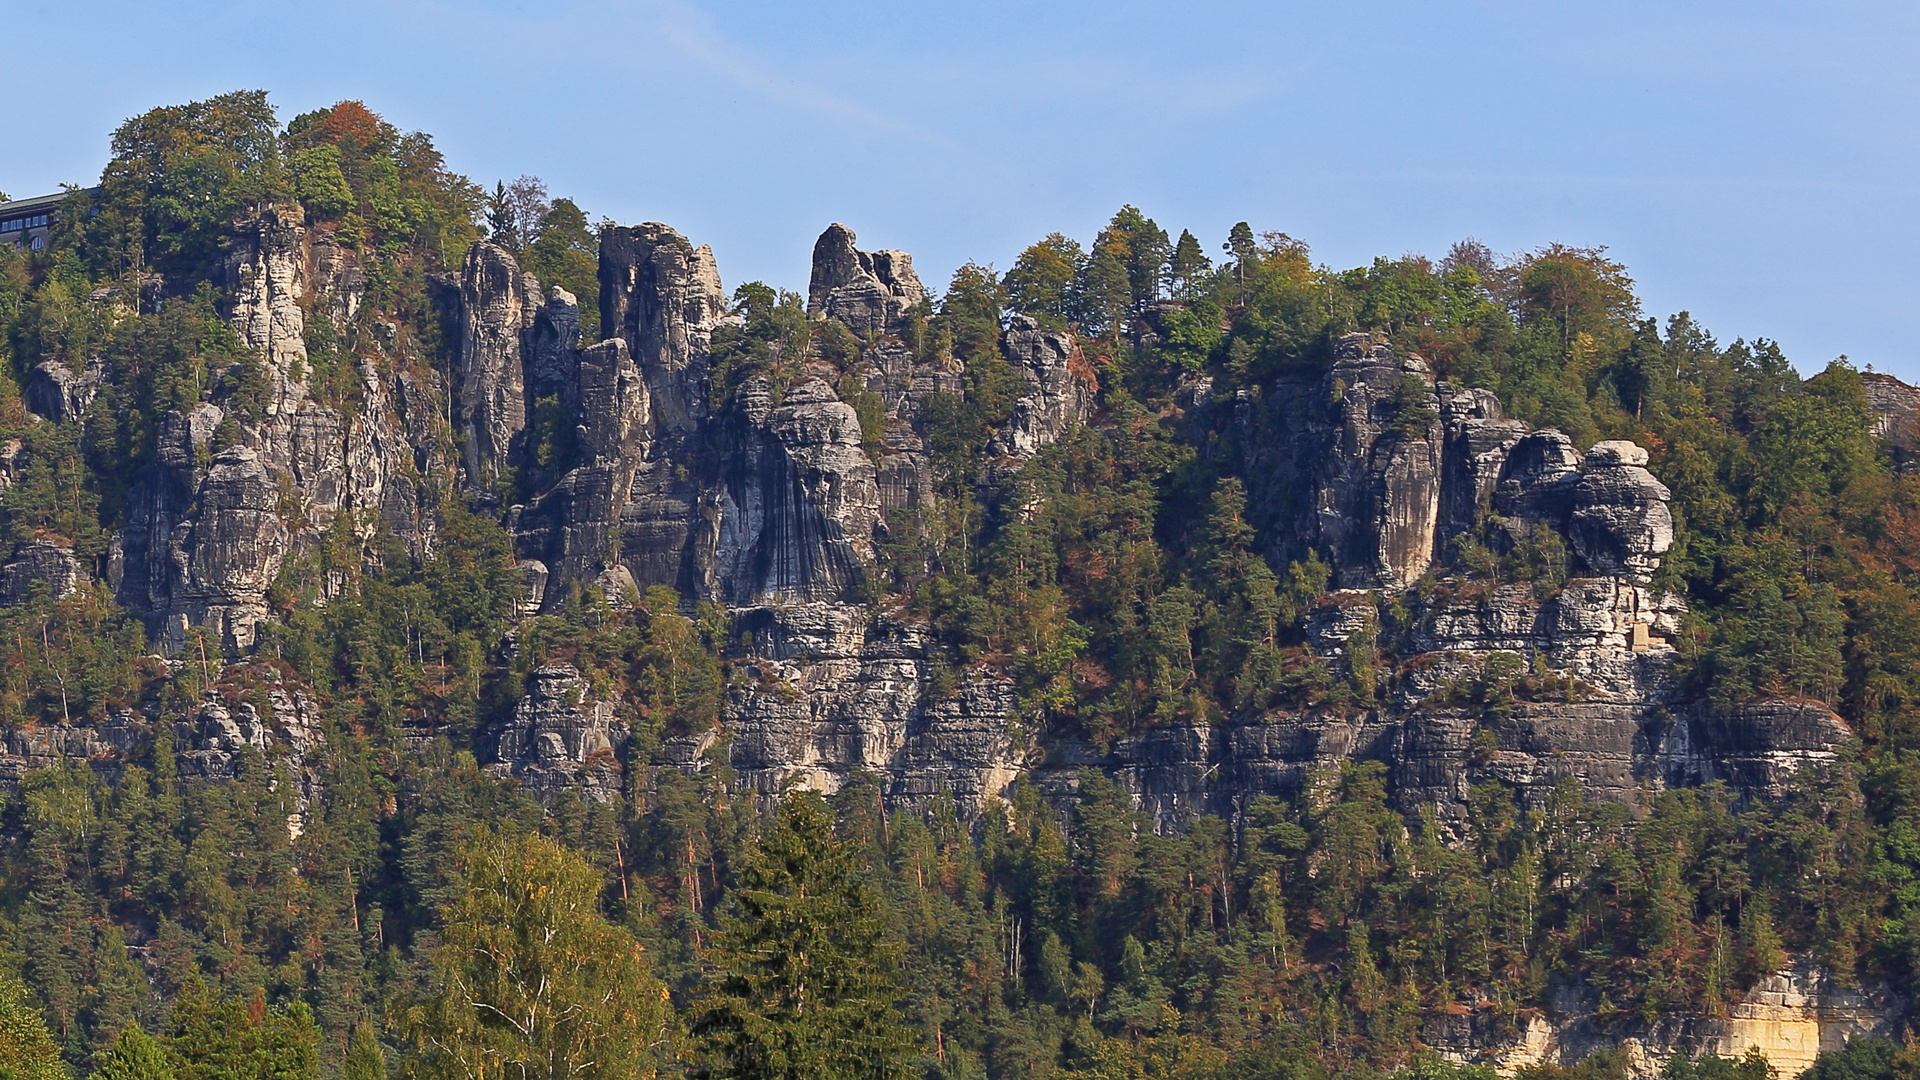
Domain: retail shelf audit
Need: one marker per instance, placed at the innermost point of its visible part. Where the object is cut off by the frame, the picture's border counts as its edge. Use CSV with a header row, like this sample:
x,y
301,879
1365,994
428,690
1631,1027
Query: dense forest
x,y
422,916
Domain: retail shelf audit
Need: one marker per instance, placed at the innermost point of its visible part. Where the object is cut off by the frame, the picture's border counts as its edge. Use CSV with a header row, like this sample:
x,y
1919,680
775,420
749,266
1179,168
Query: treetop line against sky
x,y
1754,163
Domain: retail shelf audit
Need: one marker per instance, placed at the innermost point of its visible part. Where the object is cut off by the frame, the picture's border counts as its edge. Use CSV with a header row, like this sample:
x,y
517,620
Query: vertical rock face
x,y
498,309
1378,498
1479,441
204,537
1060,386
266,272
224,558
1895,409
870,291
569,533
663,297
795,515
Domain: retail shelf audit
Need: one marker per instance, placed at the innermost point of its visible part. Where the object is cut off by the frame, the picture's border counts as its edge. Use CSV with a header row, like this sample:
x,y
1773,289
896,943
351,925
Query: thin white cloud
x,y
690,33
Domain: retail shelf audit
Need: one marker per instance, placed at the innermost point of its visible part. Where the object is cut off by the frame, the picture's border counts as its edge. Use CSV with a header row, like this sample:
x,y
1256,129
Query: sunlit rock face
x,y
617,467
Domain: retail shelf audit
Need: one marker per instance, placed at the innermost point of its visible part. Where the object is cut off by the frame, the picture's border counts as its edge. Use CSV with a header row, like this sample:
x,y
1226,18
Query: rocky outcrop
x,y
560,736
773,500
498,308
223,559
1479,441
1790,1016
59,393
662,296
1620,523
1060,386
870,291
42,562
567,534
1760,746
1895,410
833,691
204,537
106,746
208,526
796,518
266,271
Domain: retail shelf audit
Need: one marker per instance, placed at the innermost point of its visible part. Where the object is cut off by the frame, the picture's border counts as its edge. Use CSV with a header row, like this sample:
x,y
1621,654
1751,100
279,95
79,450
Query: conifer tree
x,y
803,982
135,1056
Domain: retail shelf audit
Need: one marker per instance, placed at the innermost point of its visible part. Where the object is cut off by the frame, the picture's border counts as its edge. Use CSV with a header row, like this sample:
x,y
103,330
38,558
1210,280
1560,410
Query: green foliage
x,y
566,252
135,1056
531,979
405,202
773,338
1864,1057
1045,281
319,185
804,983
27,1051
1711,1066
180,176
229,1038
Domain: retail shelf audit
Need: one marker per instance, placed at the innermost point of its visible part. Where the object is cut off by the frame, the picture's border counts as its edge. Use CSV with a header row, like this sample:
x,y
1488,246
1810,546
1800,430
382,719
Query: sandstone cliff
x,y
619,473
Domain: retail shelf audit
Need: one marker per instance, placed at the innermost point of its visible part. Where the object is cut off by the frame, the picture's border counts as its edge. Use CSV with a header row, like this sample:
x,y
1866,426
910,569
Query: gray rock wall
x,y
774,505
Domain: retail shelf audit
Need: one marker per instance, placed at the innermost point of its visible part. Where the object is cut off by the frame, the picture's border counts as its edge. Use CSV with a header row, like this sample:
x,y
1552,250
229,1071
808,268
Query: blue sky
x,y
1757,163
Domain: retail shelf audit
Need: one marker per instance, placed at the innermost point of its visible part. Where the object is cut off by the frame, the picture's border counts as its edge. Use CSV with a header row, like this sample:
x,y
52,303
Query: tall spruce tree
x,y
803,982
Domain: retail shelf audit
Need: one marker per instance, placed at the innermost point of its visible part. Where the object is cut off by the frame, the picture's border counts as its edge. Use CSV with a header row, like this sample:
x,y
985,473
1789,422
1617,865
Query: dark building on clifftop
x,y
25,222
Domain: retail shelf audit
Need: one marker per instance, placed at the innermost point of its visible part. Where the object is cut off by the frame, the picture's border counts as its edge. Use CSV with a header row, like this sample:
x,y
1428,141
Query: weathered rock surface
x,y
559,737
59,393
40,561
835,692
498,308
1060,385
1377,489
870,291
1620,523
1790,1016
1896,411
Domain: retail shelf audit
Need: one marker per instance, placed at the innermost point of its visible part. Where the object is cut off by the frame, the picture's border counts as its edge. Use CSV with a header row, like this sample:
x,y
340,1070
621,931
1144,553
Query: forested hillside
x,y
443,635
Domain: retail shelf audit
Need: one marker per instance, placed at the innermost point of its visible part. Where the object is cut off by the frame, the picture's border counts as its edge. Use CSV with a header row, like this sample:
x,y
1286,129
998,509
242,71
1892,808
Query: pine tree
x,y
136,1056
365,1061
803,983
502,224
1189,262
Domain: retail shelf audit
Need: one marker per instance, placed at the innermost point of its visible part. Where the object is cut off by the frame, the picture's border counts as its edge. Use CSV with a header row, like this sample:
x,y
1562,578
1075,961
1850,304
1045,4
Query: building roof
x,y
38,202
